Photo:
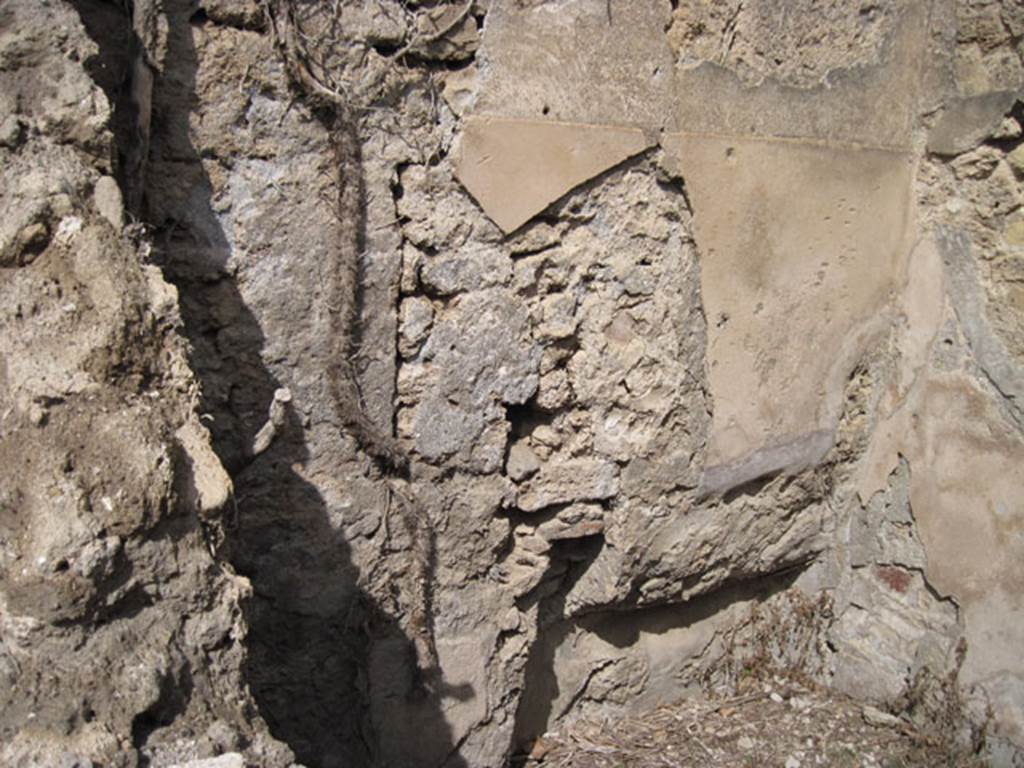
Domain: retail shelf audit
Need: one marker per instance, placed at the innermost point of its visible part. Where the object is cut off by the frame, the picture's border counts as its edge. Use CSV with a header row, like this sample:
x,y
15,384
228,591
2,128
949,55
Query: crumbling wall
x,y
848,185
692,331
122,639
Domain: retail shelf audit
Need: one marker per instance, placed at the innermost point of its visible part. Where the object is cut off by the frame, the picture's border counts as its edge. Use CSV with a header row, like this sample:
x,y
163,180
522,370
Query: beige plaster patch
x,y
968,501
517,168
802,249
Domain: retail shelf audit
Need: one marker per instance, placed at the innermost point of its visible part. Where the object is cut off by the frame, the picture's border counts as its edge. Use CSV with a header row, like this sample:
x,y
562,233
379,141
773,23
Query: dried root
x,y
343,111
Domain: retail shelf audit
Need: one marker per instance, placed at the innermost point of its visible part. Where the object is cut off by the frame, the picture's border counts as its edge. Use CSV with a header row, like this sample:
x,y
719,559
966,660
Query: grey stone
x,y
522,462
443,429
967,122
483,351
416,315
447,275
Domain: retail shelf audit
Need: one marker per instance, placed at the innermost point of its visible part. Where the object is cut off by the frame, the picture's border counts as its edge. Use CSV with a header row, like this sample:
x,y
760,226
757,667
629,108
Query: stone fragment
x,y
107,197
522,462
969,121
1008,129
10,131
487,453
412,261
275,421
446,33
878,718
537,237
525,576
443,428
554,391
439,218
415,316
527,565
558,317
461,272
208,485
509,621
639,281
528,541
483,351
560,482
574,522
238,13
546,435
68,228
460,88
517,168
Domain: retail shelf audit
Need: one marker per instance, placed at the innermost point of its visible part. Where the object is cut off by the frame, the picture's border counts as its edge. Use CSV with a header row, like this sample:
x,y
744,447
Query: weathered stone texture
x,y
816,273
121,631
701,325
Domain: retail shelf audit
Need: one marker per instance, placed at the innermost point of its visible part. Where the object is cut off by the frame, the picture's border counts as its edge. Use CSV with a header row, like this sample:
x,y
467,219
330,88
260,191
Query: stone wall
x,y
698,324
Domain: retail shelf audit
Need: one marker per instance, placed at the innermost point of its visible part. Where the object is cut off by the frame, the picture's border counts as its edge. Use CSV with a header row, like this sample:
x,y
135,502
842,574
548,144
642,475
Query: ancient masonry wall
x,y
700,324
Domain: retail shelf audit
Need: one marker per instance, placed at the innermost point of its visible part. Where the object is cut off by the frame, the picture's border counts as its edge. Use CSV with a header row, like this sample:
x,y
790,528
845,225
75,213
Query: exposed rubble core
x,y
388,383
122,638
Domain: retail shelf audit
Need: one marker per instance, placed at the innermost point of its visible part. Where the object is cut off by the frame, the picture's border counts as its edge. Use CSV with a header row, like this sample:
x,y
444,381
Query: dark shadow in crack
x,y
328,666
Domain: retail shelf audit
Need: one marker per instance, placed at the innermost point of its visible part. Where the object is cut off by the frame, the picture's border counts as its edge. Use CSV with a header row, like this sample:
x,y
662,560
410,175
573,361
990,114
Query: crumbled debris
x,y
789,725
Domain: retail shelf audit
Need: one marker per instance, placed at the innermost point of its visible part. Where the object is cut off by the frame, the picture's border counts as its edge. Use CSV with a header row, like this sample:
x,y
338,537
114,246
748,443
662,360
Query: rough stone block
x,y
560,482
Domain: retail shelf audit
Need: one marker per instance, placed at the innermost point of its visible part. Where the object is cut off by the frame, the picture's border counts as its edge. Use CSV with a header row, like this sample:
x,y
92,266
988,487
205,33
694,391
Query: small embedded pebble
x,y
876,717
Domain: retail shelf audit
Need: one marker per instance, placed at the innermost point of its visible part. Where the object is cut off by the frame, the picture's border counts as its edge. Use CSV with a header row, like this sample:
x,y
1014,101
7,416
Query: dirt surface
x,y
779,725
